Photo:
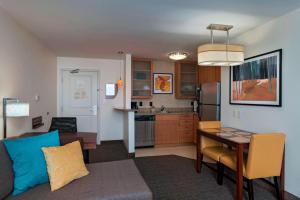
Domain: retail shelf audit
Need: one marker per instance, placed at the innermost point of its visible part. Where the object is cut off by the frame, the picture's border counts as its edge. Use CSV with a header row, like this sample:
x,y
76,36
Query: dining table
x,y
238,140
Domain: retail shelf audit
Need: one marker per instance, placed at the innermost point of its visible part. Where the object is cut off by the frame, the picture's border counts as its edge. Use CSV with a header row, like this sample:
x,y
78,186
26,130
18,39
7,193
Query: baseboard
x,y
131,155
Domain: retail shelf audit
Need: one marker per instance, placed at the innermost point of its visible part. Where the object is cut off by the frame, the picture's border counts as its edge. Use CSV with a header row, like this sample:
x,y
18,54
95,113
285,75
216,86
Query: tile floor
x,y
188,151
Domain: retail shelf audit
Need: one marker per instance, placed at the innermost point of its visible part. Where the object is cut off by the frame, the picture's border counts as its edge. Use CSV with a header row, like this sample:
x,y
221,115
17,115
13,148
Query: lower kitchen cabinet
x,y
165,132
172,129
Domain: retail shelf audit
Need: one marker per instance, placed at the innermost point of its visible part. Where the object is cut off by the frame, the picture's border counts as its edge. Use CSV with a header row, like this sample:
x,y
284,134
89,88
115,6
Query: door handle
x,y
94,110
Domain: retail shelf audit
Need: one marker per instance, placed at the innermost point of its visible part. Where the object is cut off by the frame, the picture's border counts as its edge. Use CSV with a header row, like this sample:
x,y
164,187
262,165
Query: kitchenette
x,y
169,99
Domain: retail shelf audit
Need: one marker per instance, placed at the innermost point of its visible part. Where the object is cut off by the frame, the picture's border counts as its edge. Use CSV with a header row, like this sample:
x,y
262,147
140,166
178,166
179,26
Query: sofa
x,y
117,180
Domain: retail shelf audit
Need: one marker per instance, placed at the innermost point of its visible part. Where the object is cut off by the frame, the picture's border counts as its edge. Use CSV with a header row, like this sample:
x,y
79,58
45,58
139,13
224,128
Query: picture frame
x,y
258,81
162,83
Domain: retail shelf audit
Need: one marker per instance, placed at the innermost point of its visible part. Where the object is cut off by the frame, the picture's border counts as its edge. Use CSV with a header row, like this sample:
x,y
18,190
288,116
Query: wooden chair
x,y
211,148
264,160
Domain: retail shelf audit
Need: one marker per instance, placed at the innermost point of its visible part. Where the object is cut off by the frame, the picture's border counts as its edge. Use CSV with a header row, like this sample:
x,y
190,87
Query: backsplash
x,y
167,100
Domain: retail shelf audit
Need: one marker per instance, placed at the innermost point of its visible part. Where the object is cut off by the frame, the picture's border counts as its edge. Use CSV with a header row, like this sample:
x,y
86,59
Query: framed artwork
x,y
162,83
257,81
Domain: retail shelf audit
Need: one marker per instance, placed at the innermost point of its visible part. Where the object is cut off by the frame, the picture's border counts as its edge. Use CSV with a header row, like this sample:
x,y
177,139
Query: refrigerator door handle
x,y
200,97
200,111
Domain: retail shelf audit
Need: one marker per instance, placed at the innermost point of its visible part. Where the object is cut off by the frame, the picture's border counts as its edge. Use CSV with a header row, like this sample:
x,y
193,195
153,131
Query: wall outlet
x,y
233,114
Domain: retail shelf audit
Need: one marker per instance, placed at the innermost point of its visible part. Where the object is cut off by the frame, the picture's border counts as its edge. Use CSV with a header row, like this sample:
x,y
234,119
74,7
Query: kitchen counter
x,y
165,113
125,109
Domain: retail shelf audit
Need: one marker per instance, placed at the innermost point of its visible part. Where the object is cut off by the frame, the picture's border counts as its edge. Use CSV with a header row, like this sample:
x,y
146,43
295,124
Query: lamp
x,y
220,54
177,55
12,107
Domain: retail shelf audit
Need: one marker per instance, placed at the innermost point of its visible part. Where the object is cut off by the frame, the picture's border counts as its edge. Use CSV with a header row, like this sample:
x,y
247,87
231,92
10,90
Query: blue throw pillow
x,y
29,163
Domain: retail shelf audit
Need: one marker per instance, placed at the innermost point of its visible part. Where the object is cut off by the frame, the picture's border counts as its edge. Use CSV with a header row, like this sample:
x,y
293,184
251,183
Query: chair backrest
x,y
265,155
209,124
213,126
64,124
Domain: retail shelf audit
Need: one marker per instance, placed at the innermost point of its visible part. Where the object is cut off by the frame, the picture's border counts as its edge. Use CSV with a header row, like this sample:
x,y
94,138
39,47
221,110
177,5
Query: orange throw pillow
x,y
64,164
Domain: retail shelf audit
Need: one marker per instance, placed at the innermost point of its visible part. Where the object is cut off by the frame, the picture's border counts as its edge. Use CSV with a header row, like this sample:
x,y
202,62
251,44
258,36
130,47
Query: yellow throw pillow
x,y
64,164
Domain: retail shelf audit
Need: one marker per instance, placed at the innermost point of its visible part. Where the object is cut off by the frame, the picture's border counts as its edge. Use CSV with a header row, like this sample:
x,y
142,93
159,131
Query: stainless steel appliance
x,y
209,101
144,130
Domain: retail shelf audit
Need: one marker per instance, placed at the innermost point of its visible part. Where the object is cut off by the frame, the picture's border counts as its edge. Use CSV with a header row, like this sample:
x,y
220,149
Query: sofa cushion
x,y
118,180
6,173
29,165
64,164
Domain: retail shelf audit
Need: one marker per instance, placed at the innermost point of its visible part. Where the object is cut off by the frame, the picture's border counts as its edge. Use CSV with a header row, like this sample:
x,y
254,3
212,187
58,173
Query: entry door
x,y
79,98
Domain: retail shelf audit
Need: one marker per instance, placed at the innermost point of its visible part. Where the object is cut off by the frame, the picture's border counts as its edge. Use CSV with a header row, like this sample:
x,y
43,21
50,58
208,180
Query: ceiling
x,y
145,28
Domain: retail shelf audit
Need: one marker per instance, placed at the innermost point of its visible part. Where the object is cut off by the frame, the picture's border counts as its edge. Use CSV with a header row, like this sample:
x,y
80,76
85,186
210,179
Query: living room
x,y
122,64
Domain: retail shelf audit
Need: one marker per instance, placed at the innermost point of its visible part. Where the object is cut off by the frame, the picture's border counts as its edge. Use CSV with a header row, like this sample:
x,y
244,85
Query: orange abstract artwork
x,y
257,80
162,83
259,90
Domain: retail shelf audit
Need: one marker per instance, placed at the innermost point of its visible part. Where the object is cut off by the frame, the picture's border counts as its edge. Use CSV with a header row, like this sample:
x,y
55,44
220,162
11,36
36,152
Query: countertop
x,y
165,113
183,112
125,109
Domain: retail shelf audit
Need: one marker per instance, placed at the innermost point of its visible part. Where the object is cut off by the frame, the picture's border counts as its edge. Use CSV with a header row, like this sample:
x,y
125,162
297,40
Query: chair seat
x,y
216,152
230,160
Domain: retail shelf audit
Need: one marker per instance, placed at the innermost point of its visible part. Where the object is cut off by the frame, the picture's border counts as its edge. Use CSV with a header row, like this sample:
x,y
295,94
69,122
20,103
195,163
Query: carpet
x,y
174,178
108,151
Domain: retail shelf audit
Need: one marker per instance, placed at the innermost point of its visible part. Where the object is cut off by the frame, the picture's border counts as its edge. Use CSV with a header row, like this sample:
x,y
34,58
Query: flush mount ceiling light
x,y
177,55
214,54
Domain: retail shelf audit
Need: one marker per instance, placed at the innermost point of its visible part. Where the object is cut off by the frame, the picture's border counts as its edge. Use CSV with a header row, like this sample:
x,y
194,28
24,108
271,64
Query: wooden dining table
x,y
238,139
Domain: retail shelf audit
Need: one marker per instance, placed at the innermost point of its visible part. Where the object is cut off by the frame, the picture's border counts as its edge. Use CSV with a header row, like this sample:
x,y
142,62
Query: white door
x,y
79,98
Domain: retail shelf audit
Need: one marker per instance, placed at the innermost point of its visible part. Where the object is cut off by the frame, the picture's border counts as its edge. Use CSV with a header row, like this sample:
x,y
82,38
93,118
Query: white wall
x,y
282,33
128,117
167,100
27,69
110,121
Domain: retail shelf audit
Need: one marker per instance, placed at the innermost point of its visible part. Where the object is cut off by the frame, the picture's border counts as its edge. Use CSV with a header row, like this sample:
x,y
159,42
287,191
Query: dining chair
x,y
211,148
264,160
64,124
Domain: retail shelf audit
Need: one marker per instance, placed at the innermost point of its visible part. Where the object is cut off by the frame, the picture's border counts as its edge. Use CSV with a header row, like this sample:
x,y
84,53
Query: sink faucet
x,y
162,108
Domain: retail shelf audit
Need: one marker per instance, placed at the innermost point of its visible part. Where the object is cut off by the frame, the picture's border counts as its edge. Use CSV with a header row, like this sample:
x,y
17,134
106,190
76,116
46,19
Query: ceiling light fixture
x,y
177,55
214,54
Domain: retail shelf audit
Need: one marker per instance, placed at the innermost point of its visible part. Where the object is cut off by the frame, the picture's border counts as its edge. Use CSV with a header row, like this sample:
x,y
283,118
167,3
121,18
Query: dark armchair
x,y
64,124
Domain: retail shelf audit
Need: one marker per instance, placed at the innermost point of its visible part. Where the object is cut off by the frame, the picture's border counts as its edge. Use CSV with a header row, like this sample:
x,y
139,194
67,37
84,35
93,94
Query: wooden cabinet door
x,y
142,78
209,74
166,132
186,80
186,128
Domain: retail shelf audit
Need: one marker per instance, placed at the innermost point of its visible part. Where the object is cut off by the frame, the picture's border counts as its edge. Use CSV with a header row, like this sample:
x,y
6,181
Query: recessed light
x,y
177,55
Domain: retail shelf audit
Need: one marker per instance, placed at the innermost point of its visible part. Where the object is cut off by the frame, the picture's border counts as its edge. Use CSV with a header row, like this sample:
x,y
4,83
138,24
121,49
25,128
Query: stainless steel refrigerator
x,y
209,101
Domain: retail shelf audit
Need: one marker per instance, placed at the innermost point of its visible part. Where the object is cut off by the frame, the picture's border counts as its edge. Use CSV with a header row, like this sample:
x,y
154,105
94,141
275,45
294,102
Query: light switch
x,y
37,97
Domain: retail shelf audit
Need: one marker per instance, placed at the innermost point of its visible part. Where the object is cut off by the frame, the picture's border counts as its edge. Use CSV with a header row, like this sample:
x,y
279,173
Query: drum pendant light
x,y
214,54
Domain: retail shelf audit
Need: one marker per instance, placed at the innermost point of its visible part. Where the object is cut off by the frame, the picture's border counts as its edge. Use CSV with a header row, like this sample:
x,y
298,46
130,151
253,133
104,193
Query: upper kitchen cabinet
x,y
141,79
208,74
186,80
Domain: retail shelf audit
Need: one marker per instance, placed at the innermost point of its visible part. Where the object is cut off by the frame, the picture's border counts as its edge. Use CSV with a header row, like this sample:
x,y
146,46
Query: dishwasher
x,y
144,130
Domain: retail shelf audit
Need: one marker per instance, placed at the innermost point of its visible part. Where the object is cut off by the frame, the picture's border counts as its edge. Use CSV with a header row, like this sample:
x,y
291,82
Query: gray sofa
x,y
118,180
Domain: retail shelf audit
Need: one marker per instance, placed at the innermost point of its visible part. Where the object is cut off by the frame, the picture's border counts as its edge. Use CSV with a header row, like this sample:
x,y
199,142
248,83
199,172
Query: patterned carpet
x,y
175,178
